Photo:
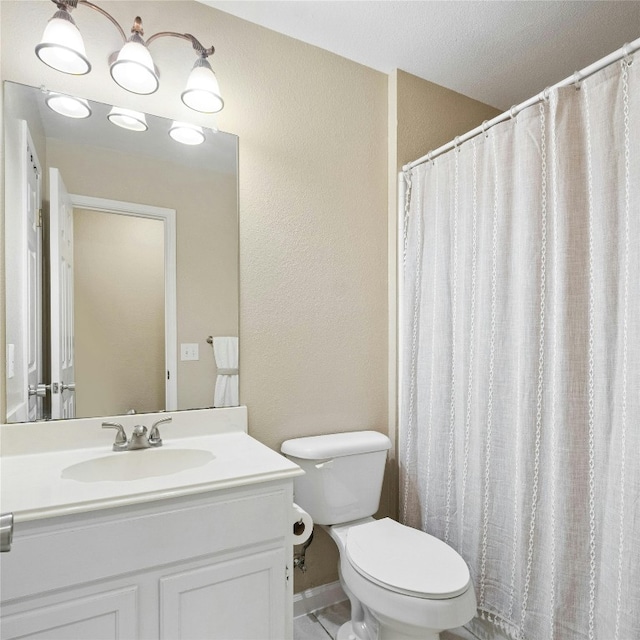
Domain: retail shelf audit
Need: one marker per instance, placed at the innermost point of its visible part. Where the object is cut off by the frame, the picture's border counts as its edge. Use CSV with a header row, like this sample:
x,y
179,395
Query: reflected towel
x,y
225,352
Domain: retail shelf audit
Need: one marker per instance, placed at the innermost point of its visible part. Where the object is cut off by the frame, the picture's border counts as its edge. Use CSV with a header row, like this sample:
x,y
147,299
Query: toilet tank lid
x,y
335,445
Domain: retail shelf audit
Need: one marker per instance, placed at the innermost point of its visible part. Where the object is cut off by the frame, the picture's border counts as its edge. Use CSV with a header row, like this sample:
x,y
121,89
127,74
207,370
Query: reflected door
x,y
33,352
61,284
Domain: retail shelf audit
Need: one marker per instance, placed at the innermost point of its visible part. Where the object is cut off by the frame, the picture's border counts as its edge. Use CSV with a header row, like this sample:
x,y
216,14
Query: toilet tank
x,y
343,474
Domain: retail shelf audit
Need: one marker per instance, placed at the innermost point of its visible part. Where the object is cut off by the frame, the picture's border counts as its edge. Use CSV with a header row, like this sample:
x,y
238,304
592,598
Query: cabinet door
x,y
110,615
237,599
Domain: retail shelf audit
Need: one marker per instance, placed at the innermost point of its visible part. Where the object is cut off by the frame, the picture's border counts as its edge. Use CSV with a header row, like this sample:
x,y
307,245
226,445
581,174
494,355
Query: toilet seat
x,y
407,561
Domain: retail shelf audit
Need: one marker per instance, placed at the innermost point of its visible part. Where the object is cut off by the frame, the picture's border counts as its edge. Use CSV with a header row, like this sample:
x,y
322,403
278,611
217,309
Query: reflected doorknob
x,y
68,387
39,390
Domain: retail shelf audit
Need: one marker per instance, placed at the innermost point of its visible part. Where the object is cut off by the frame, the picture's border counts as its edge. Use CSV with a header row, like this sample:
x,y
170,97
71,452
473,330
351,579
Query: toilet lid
x,y
406,560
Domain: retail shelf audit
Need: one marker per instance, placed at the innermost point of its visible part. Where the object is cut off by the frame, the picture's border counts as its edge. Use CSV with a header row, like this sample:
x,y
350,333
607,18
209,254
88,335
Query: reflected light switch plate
x,y
189,351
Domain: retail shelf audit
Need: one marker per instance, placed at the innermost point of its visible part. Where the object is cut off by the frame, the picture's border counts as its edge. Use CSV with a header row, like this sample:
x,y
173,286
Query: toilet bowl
x,y
402,583
407,583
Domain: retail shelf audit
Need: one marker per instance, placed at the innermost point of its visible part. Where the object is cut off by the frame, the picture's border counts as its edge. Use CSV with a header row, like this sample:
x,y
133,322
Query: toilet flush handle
x,y
327,464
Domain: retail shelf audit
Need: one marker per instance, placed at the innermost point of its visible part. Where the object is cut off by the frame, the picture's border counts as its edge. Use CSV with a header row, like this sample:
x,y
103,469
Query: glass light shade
x,y
202,92
128,119
62,47
133,69
68,106
186,133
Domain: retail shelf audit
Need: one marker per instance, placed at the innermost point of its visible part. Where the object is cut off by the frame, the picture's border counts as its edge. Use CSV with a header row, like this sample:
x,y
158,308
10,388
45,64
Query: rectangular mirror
x,y
121,263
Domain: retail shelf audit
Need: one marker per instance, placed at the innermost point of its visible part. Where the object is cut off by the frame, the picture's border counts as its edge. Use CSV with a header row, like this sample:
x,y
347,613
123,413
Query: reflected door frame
x,y
168,218
23,265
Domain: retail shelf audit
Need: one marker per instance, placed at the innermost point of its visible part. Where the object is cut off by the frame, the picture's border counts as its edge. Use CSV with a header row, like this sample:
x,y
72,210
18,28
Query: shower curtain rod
x,y
576,78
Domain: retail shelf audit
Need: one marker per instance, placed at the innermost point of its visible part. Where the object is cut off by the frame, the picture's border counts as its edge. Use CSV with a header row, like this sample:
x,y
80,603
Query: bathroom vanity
x,y
111,545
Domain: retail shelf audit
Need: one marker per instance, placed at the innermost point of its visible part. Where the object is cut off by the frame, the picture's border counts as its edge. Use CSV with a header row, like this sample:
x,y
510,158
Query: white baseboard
x,y
306,602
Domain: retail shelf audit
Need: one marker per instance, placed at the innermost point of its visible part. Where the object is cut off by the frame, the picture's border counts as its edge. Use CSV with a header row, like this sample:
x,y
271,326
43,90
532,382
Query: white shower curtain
x,y
520,362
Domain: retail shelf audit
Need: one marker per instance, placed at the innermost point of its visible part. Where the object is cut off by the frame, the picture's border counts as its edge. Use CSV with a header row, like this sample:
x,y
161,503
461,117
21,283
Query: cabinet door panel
x,y
110,615
239,599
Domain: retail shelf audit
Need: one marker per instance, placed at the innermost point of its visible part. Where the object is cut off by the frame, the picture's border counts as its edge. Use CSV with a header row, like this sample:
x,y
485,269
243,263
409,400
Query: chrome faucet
x,y
139,438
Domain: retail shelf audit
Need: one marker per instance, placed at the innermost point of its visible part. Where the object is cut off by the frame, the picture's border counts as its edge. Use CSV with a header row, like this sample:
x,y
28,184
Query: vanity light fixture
x,y
62,48
68,106
202,92
128,119
186,133
133,68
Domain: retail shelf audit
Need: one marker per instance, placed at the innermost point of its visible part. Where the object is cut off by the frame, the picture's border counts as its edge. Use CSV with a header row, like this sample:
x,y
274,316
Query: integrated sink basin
x,y
136,465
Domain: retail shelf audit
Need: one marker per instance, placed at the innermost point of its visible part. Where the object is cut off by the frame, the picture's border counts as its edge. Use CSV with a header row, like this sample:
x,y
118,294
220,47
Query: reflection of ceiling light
x,y
186,133
128,119
61,46
203,92
68,105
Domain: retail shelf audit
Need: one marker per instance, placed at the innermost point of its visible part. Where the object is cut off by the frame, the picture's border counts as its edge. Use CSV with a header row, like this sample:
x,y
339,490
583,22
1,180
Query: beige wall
x,y
119,313
314,204
429,116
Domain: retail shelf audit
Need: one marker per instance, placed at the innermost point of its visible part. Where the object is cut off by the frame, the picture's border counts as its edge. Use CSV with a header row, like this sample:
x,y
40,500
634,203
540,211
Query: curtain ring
x,y
484,128
456,143
626,50
430,158
576,80
546,94
513,113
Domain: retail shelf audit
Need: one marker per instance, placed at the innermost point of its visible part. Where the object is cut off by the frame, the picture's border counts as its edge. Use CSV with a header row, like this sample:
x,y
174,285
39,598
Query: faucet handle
x,y
139,430
121,437
154,435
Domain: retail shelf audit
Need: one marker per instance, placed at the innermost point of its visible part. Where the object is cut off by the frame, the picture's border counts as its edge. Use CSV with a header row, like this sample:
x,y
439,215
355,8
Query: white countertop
x,y
32,486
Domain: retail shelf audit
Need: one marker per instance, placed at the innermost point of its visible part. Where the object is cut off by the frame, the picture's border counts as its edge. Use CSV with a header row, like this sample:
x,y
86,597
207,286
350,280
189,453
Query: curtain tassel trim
x,y
511,629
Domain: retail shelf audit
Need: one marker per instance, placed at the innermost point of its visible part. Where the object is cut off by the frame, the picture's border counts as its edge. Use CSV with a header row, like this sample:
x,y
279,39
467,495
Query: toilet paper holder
x,y
299,527
299,559
302,536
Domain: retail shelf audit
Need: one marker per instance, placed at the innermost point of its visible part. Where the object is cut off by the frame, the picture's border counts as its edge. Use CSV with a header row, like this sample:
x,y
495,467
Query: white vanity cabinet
x,y
213,565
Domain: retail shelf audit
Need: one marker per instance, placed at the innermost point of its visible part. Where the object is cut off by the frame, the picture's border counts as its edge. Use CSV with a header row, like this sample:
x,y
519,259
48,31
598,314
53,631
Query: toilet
x,y
402,583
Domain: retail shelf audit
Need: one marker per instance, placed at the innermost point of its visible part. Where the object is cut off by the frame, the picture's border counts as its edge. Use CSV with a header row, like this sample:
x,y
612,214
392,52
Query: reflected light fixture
x,y
62,48
68,106
186,133
128,119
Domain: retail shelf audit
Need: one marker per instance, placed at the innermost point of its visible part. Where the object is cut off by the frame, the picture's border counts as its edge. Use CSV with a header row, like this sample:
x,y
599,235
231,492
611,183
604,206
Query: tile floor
x,y
321,625
324,625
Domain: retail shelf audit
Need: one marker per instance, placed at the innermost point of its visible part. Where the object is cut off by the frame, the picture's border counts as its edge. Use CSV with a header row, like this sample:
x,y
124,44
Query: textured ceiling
x,y
500,53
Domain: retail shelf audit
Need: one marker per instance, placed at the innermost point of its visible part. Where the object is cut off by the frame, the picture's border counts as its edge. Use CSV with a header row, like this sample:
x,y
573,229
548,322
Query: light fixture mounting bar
x,y
195,43
73,4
